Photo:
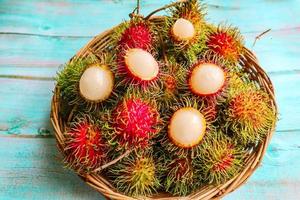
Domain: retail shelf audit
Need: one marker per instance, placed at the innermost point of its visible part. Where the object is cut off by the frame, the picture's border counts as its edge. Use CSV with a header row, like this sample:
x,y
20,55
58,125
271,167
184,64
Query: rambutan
x,y
88,81
189,122
173,78
135,121
96,83
225,42
180,179
220,160
136,33
85,147
186,23
138,67
250,115
136,175
207,79
186,30
136,36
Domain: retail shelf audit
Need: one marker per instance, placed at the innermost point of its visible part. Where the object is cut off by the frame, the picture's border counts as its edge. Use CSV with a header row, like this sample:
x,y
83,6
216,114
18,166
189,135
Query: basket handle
x,y
163,8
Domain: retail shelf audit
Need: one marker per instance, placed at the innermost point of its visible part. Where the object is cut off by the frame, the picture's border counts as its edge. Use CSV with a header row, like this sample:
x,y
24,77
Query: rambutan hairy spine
x,y
136,175
86,149
220,159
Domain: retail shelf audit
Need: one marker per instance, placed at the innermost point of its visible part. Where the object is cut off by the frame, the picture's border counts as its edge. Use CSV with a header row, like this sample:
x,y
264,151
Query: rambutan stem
x,y
113,161
165,7
260,35
138,7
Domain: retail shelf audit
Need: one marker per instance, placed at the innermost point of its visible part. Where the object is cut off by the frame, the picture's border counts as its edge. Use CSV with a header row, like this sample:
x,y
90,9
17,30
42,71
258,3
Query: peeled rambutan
x,y
180,179
85,147
189,122
225,42
96,83
220,159
207,79
185,30
136,175
138,67
135,121
186,23
88,82
250,115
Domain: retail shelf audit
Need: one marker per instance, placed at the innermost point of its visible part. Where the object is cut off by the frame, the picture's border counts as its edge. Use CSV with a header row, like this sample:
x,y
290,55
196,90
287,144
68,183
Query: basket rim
x,y
98,182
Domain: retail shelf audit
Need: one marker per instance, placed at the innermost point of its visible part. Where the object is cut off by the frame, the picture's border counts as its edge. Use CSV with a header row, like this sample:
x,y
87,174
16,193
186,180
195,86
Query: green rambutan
x,y
180,178
88,81
250,115
136,175
134,121
189,121
186,23
220,160
186,30
225,42
173,78
85,147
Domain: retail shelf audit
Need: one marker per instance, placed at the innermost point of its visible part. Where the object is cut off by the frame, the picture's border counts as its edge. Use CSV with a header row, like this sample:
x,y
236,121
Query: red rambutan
x,y
225,42
85,147
138,67
135,122
250,115
136,35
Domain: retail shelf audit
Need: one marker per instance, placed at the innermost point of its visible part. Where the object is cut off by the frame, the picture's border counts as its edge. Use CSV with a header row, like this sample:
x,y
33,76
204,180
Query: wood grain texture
x,y
37,37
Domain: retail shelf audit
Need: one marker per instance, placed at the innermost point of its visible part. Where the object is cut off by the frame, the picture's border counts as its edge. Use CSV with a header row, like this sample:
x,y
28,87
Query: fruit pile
x,y
167,107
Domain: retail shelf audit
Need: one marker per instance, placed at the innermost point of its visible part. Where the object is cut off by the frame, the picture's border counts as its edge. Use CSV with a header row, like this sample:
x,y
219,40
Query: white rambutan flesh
x,y
207,79
187,127
183,29
141,64
96,83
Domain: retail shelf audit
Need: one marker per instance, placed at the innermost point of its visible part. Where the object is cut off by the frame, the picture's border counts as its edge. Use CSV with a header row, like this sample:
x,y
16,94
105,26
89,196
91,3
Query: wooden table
x,y
36,37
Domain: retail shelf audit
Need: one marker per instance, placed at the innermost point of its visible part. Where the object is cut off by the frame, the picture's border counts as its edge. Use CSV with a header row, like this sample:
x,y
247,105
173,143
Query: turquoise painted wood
x,y
37,37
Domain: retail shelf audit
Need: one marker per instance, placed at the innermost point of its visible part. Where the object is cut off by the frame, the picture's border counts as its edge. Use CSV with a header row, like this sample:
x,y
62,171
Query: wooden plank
x,y
35,51
24,72
87,18
32,170
255,15
277,51
25,104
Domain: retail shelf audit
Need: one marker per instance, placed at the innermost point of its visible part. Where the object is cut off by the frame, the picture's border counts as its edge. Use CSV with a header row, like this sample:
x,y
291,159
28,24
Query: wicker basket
x,y
248,62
